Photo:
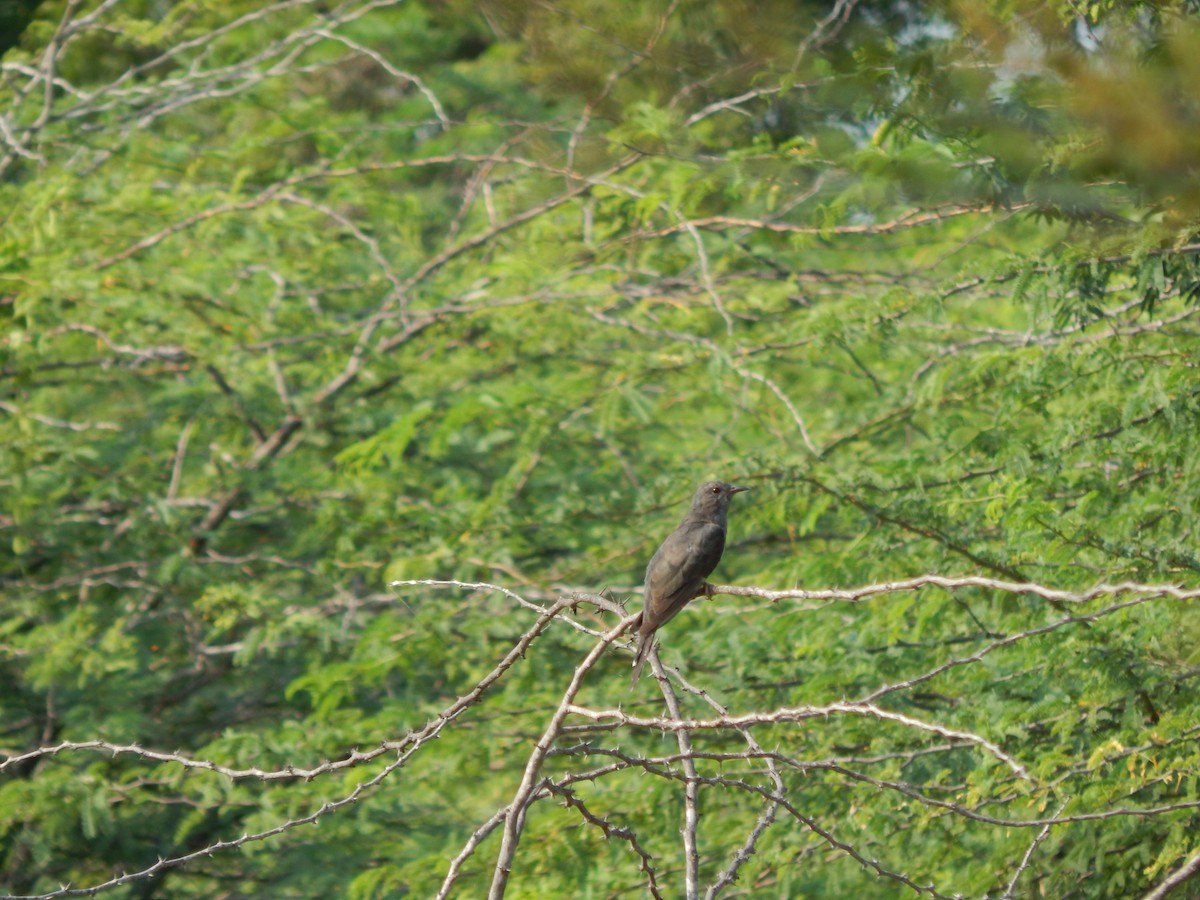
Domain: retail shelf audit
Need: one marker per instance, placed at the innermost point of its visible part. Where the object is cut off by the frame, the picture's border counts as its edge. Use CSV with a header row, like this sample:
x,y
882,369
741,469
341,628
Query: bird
x,y
676,573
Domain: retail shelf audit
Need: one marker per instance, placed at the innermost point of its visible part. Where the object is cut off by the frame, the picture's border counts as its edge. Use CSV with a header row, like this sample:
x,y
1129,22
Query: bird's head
x,y
714,496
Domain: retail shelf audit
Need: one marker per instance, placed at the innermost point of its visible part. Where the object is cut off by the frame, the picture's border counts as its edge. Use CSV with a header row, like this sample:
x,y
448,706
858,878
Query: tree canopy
x,y
357,355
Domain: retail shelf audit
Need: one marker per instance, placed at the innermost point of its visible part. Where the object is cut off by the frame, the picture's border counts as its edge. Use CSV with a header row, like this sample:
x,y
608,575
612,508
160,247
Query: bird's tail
x,y
645,642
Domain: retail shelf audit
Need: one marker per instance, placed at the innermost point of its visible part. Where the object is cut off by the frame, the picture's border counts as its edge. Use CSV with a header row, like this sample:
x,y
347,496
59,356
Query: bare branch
x,y
14,410
611,831
393,71
691,791
854,595
1185,872
715,349
800,714
1025,860
515,821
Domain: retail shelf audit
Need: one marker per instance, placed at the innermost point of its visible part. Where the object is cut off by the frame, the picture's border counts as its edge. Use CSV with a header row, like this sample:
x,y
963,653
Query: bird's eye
x,y
716,490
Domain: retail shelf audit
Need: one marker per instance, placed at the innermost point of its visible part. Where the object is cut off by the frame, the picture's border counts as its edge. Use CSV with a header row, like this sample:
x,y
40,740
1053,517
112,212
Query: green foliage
x,y
301,299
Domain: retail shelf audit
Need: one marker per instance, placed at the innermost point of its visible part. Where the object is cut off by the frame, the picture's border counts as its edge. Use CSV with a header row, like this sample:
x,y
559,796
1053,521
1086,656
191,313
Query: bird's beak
x,y
737,490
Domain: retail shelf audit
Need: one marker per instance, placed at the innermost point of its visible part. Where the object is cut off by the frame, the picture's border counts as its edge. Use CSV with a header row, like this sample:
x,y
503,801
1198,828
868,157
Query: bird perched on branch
x,y
677,571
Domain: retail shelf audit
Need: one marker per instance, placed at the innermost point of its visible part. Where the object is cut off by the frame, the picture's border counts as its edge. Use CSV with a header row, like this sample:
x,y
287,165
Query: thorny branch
x,y
536,786
514,822
691,791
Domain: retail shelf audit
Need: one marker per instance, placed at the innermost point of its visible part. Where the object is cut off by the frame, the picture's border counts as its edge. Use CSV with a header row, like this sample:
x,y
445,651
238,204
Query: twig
x,y
611,831
800,714
514,823
1190,867
691,790
1025,860
854,595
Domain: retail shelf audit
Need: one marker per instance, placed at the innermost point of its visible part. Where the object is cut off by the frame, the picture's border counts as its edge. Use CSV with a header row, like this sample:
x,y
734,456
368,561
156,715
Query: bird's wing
x,y
681,564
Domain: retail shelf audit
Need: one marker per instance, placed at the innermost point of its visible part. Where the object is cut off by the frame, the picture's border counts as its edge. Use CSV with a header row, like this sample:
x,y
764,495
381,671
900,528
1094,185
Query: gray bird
x,y
677,571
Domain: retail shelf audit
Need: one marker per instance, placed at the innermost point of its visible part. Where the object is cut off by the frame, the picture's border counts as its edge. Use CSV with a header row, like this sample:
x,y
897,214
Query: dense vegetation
x,y
304,298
